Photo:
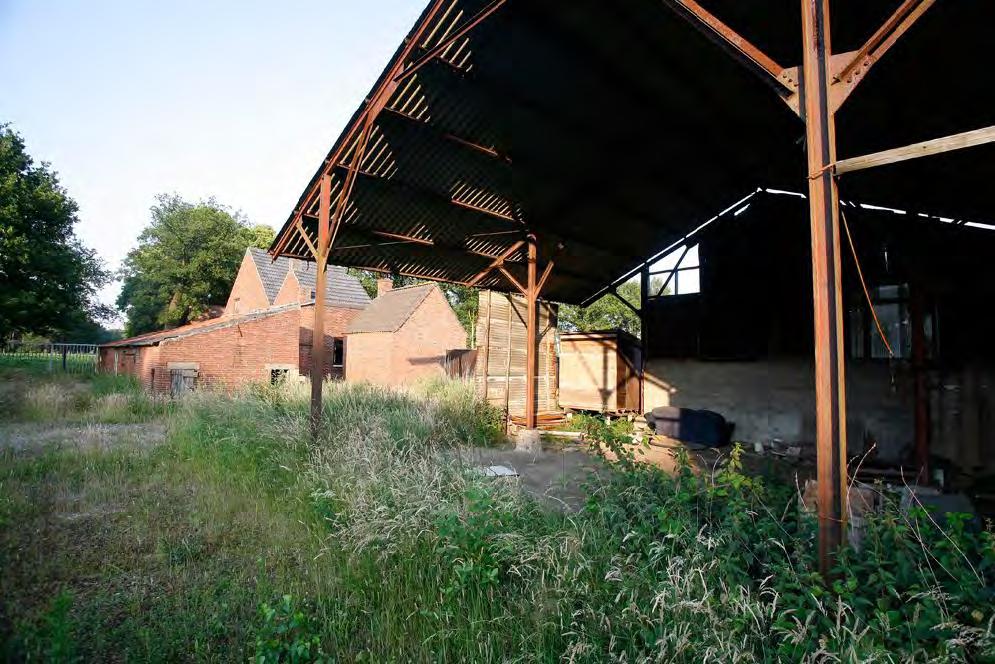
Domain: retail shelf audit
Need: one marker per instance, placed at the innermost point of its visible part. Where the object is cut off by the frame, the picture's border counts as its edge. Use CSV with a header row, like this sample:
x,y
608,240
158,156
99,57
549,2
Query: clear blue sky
x,y
237,100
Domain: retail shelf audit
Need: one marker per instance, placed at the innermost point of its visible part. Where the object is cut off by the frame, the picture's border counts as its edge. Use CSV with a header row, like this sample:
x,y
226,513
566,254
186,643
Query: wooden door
x,y
181,381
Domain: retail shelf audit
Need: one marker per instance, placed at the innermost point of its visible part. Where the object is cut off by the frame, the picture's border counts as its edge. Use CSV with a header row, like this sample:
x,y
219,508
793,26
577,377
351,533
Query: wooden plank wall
x,y
600,371
501,348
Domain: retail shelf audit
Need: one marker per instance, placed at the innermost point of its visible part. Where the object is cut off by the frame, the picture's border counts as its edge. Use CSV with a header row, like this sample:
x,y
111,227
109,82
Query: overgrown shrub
x,y
285,634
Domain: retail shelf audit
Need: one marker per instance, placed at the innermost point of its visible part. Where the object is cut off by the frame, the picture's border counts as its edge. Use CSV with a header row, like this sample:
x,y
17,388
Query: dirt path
x,y
37,437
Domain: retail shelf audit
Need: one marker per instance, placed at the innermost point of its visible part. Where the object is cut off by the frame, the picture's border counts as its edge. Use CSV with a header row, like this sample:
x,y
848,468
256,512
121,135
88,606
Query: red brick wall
x,y
290,291
417,350
135,360
234,355
237,354
368,358
247,290
336,322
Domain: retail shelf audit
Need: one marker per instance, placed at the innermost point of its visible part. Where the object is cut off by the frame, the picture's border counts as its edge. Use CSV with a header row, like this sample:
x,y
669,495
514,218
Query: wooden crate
x,y
600,371
501,348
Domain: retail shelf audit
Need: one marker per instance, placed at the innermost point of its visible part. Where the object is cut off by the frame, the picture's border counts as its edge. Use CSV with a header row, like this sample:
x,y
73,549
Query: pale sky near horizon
x,y
236,100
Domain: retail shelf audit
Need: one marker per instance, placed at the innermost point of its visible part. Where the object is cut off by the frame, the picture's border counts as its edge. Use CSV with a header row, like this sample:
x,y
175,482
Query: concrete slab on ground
x,y
555,474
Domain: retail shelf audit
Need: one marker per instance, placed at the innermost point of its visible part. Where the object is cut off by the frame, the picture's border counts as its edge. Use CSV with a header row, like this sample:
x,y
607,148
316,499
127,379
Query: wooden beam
x,y
307,240
968,139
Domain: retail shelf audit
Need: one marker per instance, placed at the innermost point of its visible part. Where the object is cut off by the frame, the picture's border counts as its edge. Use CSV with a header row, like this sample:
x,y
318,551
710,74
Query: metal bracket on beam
x,y
847,70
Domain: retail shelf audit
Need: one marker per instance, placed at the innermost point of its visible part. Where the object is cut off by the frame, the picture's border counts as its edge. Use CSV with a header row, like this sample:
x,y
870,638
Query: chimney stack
x,y
384,286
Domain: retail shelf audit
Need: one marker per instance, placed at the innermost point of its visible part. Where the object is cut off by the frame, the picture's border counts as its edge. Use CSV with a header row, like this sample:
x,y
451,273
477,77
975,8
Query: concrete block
x,y
528,440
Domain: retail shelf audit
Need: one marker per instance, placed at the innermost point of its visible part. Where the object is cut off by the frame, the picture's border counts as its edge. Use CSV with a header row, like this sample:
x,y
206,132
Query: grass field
x,y
213,529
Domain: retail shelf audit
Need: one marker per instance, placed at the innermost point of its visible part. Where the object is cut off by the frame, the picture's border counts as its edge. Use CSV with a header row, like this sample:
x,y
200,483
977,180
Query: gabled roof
x,y
200,327
391,310
341,289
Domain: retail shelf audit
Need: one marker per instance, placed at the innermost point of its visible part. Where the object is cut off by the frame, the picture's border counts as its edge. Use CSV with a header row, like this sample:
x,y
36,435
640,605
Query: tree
x,y
607,312
185,261
48,278
465,301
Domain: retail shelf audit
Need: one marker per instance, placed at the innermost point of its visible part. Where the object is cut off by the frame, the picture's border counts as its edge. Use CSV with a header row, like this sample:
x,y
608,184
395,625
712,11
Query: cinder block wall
x,y
776,399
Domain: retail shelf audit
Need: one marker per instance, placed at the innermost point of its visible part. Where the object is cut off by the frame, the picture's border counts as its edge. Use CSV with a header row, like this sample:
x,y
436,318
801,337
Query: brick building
x,y
402,336
264,333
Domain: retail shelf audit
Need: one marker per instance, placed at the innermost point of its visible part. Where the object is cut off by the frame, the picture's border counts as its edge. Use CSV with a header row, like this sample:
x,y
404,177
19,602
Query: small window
x,y
338,352
277,376
677,273
891,304
236,305
314,294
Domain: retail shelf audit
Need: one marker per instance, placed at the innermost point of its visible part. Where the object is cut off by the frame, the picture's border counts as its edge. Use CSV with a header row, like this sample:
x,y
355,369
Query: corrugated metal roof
x,y
611,129
341,288
388,312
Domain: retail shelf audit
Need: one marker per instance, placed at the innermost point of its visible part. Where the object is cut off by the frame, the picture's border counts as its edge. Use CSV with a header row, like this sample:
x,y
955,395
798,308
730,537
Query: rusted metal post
x,y
830,389
531,295
921,394
318,327
644,290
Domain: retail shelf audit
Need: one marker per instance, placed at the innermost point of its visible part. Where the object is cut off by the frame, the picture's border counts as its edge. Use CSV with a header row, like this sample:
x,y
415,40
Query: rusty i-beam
x,y
531,356
318,325
827,296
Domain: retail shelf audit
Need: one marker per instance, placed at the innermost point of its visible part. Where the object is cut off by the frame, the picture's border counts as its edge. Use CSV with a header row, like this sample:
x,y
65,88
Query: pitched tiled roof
x,y
341,289
389,311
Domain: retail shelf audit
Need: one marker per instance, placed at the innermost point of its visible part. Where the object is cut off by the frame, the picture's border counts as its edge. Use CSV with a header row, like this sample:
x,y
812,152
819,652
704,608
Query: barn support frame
x,y
815,91
840,73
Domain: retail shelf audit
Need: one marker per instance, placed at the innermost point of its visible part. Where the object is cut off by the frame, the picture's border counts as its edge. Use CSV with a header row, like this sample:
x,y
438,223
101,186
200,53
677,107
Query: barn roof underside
x,y
611,129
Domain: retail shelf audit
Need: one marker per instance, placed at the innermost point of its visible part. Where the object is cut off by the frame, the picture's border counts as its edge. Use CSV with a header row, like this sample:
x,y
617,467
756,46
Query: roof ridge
x,y
409,287
206,325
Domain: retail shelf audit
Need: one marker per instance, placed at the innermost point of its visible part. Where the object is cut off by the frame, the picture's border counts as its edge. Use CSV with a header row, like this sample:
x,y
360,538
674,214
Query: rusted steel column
x,y
920,391
531,356
830,388
318,326
644,290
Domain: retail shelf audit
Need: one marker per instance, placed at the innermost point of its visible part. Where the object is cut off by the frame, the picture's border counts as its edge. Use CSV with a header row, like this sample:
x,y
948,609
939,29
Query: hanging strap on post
x,y
860,274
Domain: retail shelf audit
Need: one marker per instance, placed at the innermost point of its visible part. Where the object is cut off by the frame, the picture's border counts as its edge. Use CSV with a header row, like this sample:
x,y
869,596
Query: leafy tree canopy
x,y
185,261
48,279
607,313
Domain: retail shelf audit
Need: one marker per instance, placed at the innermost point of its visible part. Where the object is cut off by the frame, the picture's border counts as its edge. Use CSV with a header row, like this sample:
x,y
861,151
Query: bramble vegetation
x,y
238,537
